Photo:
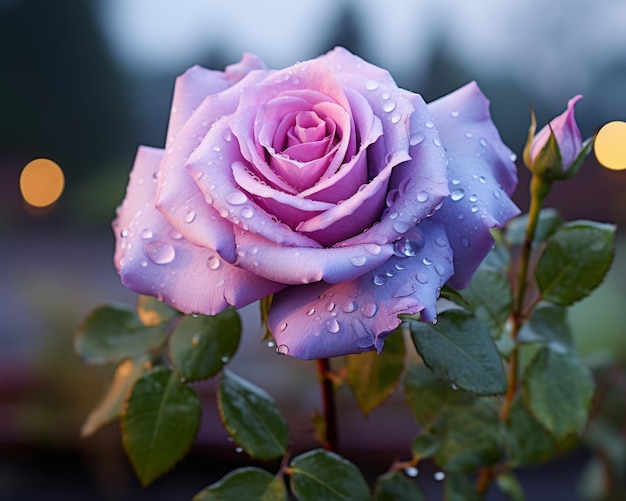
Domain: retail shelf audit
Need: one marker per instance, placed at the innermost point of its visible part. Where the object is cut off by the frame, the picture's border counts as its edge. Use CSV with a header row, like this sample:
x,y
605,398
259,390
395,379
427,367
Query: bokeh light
x,y
41,182
610,145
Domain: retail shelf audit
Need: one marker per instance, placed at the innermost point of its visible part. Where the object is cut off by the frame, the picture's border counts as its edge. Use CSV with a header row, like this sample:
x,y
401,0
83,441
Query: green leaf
x,y
558,390
200,346
115,332
469,437
153,312
547,225
509,484
159,423
394,486
549,325
372,376
245,483
251,417
520,426
428,396
461,349
458,487
320,475
424,446
575,261
110,407
489,297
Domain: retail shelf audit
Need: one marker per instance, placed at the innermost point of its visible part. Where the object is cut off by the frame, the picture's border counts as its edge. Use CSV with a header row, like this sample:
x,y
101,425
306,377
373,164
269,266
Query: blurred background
x,y
83,83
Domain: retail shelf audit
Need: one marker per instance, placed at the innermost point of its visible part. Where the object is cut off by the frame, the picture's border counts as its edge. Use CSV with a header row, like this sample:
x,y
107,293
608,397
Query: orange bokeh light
x,y
41,182
610,145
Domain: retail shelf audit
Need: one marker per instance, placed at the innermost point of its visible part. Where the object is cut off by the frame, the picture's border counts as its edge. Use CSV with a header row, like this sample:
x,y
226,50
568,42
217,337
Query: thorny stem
x,y
539,189
328,402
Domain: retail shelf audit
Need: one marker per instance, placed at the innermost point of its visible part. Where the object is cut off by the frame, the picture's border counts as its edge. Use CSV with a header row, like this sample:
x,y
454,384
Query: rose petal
x,y
419,180
194,217
303,265
321,320
211,165
196,83
153,258
482,174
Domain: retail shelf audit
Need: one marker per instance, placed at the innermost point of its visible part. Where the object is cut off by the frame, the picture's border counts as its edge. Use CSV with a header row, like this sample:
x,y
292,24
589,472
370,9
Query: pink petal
x,y
153,258
322,320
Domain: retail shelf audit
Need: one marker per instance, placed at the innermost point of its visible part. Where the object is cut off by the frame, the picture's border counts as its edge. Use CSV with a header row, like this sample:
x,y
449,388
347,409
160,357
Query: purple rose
x,y
325,184
569,141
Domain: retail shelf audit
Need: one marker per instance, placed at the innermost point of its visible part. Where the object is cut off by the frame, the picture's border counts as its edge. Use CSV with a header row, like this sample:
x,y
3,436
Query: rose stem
x,y
539,189
328,402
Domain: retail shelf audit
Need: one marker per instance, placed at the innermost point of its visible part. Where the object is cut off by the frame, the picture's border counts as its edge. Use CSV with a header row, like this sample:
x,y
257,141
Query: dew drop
x,y
513,157
422,196
469,135
416,139
270,344
422,278
143,263
215,147
358,260
227,135
372,85
282,327
473,198
213,262
225,359
440,269
457,194
390,273
411,471
496,194
146,234
483,142
369,310
373,249
439,476
246,212
236,198
160,252
282,349
454,113
389,106
405,247
330,306
440,242
393,215
396,117
465,242
386,95
437,143
310,312
219,283
223,212
474,209
399,266
427,261
176,235
332,325
428,124
190,216
401,226
482,179
380,280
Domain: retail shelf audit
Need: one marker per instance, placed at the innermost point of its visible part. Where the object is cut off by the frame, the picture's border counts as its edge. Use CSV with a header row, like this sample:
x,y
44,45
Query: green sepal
x,y
548,164
529,139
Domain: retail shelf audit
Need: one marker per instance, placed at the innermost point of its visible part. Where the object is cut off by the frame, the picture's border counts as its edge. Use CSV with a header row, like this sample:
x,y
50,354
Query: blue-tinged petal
x,y
322,320
481,176
153,258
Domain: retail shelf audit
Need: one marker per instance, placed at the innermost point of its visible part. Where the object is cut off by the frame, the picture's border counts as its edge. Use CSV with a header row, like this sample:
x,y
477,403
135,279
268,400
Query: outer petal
x,y
482,175
321,320
153,258
196,83
192,215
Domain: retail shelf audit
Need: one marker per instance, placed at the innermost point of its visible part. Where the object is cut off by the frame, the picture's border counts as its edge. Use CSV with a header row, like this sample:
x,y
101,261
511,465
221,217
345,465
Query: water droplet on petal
x,y
457,195
160,252
146,234
330,306
373,249
437,143
399,266
401,226
416,139
428,124
409,247
422,196
482,179
380,280
310,312
454,113
473,198
246,212
389,106
440,242
223,212
214,262
283,349
468,135
465,242
332,325
422,278
190,216
427,261
369,310
496,194
349,307
440,269
358,260
396,117
236,198
143,263
456,181
216,148
282,327
372,85
483,142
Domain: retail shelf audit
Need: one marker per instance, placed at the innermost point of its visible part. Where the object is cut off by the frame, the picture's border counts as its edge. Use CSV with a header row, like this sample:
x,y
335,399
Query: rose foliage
x,y
348,206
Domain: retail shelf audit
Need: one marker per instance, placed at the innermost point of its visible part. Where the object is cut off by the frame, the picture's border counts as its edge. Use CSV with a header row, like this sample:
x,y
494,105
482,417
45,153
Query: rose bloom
x,y
324,184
